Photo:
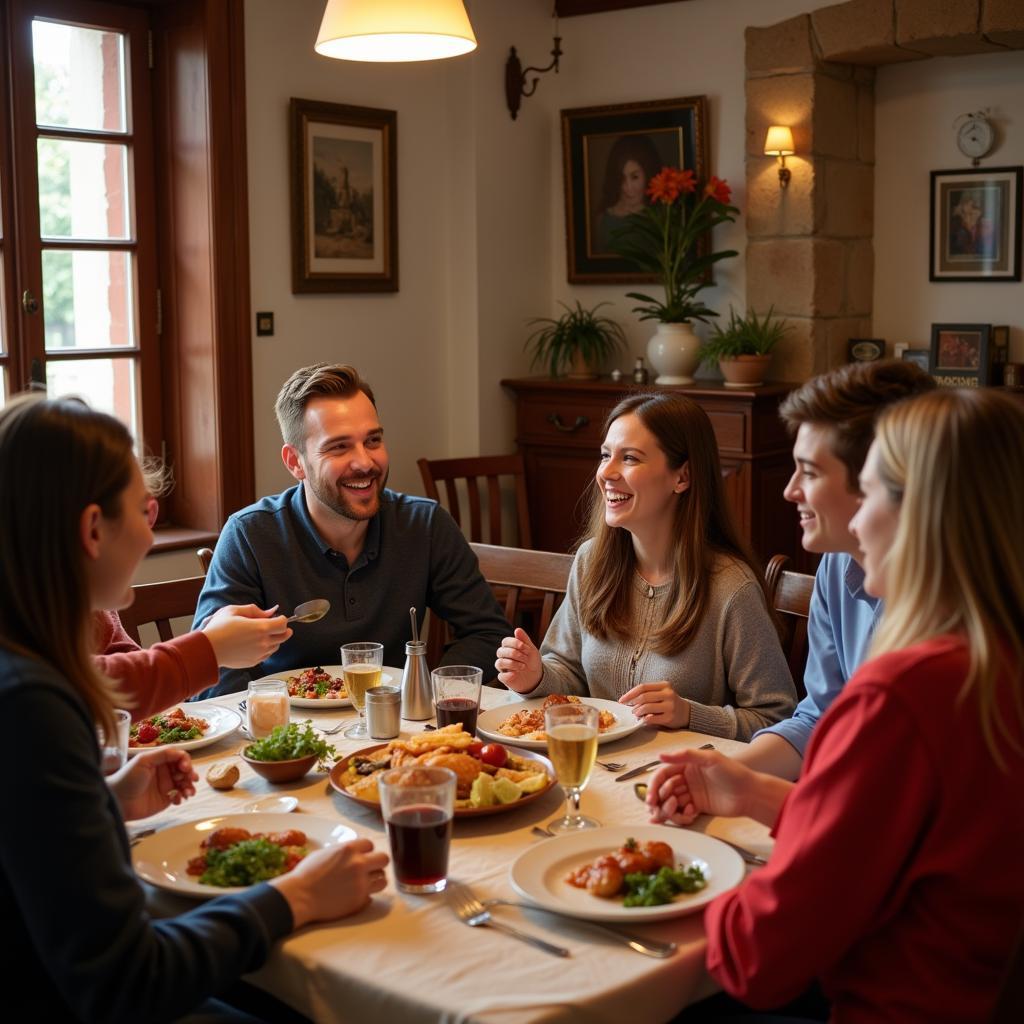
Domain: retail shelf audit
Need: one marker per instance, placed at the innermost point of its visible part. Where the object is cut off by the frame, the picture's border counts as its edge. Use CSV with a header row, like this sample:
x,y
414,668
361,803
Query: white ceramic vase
x,y
674,351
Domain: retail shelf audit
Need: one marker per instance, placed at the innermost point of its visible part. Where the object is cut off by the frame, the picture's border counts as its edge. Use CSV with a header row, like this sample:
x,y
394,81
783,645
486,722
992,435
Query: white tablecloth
x,y
408,958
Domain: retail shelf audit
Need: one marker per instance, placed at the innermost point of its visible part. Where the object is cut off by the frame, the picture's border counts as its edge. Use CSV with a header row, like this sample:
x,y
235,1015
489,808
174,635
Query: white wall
x,y
916,105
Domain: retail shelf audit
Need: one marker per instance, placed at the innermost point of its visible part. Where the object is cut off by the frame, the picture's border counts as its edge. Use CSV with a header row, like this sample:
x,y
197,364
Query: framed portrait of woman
x,y
976,224
609,154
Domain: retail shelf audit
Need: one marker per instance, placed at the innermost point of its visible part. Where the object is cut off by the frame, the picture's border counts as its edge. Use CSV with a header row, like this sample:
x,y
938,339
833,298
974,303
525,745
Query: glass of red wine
x,y
457,695
418,803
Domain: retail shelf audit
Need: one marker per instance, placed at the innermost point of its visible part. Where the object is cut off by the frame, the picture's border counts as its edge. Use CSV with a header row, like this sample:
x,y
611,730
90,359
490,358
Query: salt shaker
x,y
383,712
417,699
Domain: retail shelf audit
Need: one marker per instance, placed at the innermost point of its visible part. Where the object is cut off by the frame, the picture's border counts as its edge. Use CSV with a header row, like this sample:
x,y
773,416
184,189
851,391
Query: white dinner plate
x,y
539,873
387,678
223,722
162,858
488,721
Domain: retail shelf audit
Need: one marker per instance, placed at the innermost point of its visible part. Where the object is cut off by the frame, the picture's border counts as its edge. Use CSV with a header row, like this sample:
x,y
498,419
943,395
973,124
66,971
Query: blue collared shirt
x,y
842,620
414,556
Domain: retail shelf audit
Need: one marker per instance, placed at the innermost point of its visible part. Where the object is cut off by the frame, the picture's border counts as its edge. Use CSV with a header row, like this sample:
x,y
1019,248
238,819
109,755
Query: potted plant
x,y
578,340
664,239
743,347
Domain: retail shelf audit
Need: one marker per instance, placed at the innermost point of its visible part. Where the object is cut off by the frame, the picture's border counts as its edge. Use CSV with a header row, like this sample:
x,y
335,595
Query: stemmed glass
x,y
572,746
361,666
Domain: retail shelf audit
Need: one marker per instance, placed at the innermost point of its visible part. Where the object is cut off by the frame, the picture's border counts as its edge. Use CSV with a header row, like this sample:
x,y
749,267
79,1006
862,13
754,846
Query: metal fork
x,y
611,766
331,732
470,910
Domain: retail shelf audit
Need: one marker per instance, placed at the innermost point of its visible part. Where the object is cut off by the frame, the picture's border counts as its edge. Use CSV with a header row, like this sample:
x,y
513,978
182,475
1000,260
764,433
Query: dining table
x,y
409,958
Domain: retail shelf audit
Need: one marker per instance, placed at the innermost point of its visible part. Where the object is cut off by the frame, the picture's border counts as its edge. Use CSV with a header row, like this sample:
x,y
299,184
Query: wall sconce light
x,y
515,73
394,30
779,142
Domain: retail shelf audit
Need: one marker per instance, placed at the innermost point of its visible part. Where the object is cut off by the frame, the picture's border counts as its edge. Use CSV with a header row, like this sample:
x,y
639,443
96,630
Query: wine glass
x,y
361,666
572,746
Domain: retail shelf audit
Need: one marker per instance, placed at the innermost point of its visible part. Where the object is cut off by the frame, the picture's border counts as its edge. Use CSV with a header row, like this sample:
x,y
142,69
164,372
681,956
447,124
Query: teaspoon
x,y
310,611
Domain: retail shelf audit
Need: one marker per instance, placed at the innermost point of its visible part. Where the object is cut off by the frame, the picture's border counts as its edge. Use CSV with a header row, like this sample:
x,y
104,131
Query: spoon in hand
x,y
310,611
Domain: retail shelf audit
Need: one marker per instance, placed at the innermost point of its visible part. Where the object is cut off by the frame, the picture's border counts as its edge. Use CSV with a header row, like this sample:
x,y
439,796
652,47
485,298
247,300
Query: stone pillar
x,y
809,250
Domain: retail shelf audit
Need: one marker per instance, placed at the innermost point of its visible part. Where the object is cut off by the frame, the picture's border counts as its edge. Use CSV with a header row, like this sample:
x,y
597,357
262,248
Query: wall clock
x,y
975,136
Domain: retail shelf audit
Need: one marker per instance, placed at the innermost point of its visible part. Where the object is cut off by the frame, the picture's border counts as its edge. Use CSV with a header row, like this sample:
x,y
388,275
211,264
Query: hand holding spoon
x,y
310,611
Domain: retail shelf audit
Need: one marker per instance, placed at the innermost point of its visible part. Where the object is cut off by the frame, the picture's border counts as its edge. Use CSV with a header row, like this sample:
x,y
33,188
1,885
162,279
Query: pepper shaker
x,y
383,712
417,698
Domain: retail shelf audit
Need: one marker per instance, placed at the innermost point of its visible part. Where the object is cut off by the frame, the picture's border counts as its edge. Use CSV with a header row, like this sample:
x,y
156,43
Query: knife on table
x,y
634,772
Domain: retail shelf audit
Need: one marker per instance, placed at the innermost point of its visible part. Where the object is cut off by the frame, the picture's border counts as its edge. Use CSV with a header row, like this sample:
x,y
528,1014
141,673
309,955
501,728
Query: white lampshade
x,y
394,30
779,141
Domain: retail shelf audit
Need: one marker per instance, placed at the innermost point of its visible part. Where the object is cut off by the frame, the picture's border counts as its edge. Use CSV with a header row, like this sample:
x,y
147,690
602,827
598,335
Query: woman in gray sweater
x,y
665,611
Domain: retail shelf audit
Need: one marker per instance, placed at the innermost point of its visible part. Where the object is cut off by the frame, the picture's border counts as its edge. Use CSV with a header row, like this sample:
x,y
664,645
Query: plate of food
x,y
626,873
175,728
491,779
323,686
522,722
229,853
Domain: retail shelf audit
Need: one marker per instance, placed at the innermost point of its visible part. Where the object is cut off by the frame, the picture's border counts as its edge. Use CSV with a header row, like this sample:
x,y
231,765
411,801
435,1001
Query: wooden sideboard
x,y
558,433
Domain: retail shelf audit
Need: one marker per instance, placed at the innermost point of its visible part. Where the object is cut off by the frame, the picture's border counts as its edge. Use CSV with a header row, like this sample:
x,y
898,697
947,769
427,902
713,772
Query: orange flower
x,y
669,182
718,190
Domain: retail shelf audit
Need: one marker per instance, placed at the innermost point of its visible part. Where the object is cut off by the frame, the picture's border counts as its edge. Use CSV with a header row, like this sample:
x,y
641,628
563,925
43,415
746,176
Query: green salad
x,y
643,890
288,742
245,863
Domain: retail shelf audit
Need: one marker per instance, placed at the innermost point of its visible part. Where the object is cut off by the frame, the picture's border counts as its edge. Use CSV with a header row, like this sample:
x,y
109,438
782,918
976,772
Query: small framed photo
x,y
609,154
344,198
865,350
920,356
961,356
976,224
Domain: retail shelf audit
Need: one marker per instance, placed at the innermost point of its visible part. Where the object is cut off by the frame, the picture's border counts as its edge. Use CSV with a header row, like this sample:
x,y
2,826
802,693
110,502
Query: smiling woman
x,y
665,609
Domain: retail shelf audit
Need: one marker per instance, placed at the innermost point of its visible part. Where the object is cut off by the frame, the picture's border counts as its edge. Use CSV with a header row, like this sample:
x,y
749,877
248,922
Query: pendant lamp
x,y
394,30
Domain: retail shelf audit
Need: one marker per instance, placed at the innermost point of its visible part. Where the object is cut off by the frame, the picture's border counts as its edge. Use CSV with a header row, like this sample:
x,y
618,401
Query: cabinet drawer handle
x,y
556,421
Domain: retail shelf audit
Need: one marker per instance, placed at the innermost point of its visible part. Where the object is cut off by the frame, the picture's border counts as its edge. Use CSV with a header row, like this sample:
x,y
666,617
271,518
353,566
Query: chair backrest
x,y
529,582
789,593
205,556
477,473
159,603
1010,1004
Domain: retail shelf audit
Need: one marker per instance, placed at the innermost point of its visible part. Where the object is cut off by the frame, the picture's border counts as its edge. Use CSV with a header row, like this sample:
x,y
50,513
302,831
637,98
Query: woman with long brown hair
x,y
895,879
665,609
73,528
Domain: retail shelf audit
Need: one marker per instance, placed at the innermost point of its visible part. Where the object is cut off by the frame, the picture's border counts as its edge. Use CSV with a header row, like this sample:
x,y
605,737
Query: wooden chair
x,y
205,556
474,473
542,577
789,593
159,603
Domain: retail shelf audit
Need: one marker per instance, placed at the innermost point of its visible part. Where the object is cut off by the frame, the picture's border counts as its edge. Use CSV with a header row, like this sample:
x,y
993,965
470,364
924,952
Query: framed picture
x,y
960,355
344,198
976,225
920,356
865,350
609,154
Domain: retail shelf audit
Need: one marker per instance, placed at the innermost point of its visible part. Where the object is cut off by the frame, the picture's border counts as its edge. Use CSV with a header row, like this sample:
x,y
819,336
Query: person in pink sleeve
x,y
895,880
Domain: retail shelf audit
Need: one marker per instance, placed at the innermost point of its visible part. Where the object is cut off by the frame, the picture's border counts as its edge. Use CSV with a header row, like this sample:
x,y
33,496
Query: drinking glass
x,y
114,752
457,695
572,746
361,665
266,706
418,804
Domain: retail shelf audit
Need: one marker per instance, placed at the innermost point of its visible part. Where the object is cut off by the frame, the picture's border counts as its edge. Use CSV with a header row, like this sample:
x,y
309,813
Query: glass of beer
x,y
572,746
457,695
361,665
418,804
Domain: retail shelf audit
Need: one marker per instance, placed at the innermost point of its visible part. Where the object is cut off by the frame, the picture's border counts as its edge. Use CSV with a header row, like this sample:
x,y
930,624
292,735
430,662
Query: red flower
x,y
718,190
669,182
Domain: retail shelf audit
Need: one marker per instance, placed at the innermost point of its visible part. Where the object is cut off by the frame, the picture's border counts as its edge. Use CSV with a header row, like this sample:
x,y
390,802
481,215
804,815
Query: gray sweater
x,y
733,671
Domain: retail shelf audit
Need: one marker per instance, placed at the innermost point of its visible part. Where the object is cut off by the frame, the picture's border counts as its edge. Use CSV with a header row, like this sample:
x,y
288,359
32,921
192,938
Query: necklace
x,y
650,587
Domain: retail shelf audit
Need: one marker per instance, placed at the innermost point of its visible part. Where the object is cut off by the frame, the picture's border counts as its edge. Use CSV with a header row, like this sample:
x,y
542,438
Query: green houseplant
x,y
665,239
743,347
578,340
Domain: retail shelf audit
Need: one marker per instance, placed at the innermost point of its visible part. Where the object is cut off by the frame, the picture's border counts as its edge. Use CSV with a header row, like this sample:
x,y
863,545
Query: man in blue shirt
x,y
833,419
341,534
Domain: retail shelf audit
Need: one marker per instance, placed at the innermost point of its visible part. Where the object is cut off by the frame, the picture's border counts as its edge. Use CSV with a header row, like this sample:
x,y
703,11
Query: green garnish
x,y
286,743
245,863
178,734
322,687
643,890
